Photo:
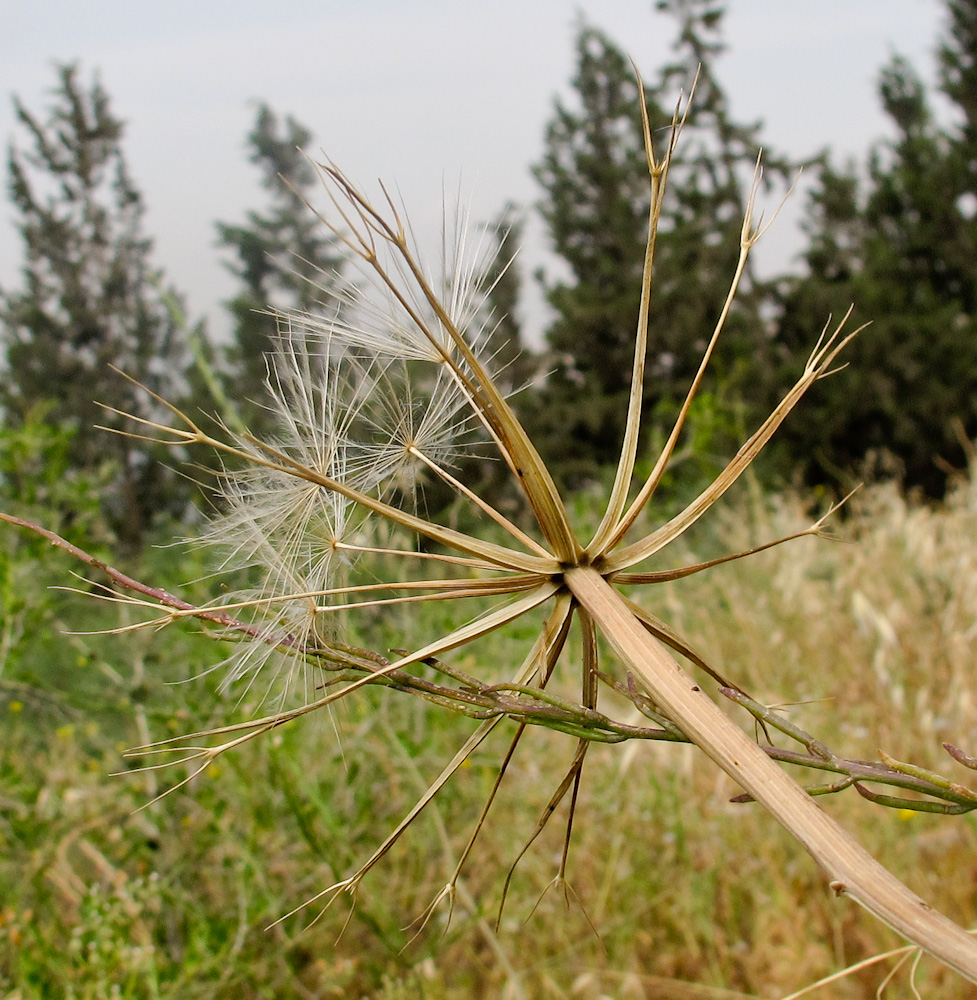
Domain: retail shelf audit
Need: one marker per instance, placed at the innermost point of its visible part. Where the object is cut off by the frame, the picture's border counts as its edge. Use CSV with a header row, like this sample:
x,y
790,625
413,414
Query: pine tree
x,y
958,79
903,251
709,183
596,208
594,174
91,298
283,256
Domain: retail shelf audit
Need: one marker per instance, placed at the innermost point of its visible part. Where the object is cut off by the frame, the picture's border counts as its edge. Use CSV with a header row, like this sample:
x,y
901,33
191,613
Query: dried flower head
x,y
392,383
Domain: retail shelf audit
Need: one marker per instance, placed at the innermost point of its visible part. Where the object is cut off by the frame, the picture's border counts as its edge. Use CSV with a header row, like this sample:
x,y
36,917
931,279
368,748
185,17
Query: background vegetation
x,y
872,641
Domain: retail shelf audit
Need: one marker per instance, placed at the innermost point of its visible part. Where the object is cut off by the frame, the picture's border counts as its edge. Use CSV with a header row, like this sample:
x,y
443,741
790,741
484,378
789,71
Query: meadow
x,y
867,642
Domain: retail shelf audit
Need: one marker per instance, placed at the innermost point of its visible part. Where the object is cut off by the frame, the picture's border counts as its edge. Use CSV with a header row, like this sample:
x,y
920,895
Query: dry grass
x,y
693,897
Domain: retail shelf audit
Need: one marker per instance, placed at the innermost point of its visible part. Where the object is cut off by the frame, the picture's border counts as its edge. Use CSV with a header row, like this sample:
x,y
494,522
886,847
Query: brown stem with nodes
x,y
852,870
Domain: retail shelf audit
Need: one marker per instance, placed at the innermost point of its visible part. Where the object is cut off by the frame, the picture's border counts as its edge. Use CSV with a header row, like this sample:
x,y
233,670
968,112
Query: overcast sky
x,y
423,93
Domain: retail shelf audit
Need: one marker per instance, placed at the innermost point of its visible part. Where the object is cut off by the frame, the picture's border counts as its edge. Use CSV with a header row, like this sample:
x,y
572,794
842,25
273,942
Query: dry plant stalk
x,y
385,389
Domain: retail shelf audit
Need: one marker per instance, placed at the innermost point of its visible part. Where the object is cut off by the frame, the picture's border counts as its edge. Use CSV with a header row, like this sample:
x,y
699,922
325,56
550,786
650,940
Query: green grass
x,y
873,641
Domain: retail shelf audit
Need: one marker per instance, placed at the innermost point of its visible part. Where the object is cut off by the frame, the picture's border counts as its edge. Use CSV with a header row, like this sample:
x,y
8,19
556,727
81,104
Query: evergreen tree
x,y
958,81
91,298
903,251
283,256
709,183
595,177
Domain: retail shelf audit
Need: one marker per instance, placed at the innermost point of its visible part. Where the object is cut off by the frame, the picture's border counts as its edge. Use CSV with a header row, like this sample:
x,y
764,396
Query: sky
x,y
429,95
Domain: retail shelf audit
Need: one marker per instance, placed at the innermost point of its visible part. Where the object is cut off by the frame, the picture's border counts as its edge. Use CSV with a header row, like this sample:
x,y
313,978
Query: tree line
x,y
896,235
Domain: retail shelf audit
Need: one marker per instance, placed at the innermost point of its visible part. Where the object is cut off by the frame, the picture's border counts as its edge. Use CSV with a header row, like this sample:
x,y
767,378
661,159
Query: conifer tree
x,y
283,256
594,175
91,298
903,250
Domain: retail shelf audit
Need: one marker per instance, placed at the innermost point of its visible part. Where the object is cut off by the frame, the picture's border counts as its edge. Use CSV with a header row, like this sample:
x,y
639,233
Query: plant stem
x,y
852,870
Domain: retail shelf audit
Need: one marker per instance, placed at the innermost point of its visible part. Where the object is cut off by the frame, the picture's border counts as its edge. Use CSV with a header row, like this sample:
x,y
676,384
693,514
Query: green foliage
x,y
91,298
902,248
39,482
